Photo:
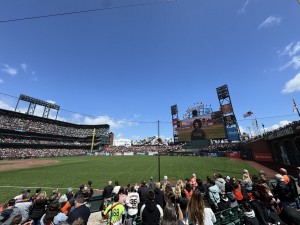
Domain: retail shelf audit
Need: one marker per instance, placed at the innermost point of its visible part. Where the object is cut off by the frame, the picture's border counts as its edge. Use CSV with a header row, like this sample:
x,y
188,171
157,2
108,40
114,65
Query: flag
x,y
249,113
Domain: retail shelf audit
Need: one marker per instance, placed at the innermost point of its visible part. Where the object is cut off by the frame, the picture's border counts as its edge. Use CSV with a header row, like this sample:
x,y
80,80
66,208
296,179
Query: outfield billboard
x,y
212,127
232,133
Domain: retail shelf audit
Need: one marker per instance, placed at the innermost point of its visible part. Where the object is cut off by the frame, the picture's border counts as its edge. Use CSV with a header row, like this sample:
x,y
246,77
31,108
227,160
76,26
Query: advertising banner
x,y
233,154
227,108
213,154
232,134
266,157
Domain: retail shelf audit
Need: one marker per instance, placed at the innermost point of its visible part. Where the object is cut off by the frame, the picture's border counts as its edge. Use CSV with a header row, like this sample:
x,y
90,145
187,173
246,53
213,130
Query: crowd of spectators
x,y
56,208
189,201
142,149
18,121
24,136
35,141
29,153
223,147
293,124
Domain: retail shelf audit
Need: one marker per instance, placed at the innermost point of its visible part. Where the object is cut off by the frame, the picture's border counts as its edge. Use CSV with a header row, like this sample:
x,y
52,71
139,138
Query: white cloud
x,y
243,9
276,126
295,62
24,67
76,117
51,101
270,21
9,70
1,81
242,130
4,105
107,120
292,85
291,49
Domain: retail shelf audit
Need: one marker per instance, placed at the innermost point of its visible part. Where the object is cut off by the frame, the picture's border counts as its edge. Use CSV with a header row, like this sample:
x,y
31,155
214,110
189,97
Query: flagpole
x,y
295,106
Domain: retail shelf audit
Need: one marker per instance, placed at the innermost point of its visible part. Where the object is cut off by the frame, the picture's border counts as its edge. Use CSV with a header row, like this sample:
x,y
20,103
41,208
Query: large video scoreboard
x,y
212,125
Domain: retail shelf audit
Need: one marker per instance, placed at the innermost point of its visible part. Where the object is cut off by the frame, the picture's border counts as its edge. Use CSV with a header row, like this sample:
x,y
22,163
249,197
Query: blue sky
x,y
126,66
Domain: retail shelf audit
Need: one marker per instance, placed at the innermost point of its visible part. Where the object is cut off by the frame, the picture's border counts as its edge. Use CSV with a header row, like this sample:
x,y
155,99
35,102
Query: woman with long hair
x,y
38,207
170,216
198,212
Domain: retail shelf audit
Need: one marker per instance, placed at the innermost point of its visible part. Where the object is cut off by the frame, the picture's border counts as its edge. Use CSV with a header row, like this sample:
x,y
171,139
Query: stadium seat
x,y
241,211
218,218
234,213
225,217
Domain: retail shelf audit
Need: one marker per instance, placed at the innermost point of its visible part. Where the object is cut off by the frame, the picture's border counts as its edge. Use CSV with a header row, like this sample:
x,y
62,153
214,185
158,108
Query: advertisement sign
x,y
222,92
213,154
229,120
232,134
233,154
227,108
266,157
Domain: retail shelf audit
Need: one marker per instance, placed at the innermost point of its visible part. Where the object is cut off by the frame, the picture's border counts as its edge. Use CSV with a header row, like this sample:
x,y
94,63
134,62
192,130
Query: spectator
x,y
283,172
151,212
20,196
80,191
214,196
159,195
15,211
53,214
198,213
183,203
260,209
220,182
7,211
283,192
33,197
17,220
80,211
142,191
193,181
188,190
151,184
38,207
249,216
107,193
115,212
24,205
70,202
116,188
132,201
89,186
170,217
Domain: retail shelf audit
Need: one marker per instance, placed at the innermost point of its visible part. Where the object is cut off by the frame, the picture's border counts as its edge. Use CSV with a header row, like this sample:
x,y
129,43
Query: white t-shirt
x,y
209,217
116,190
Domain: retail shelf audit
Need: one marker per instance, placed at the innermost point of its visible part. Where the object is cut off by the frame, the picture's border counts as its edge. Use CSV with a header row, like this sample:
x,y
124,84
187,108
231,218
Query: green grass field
x,y
74,171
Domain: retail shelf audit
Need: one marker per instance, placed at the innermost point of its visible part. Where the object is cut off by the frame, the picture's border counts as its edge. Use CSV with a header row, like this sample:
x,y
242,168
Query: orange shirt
x,y
238,193
66,208
286,179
